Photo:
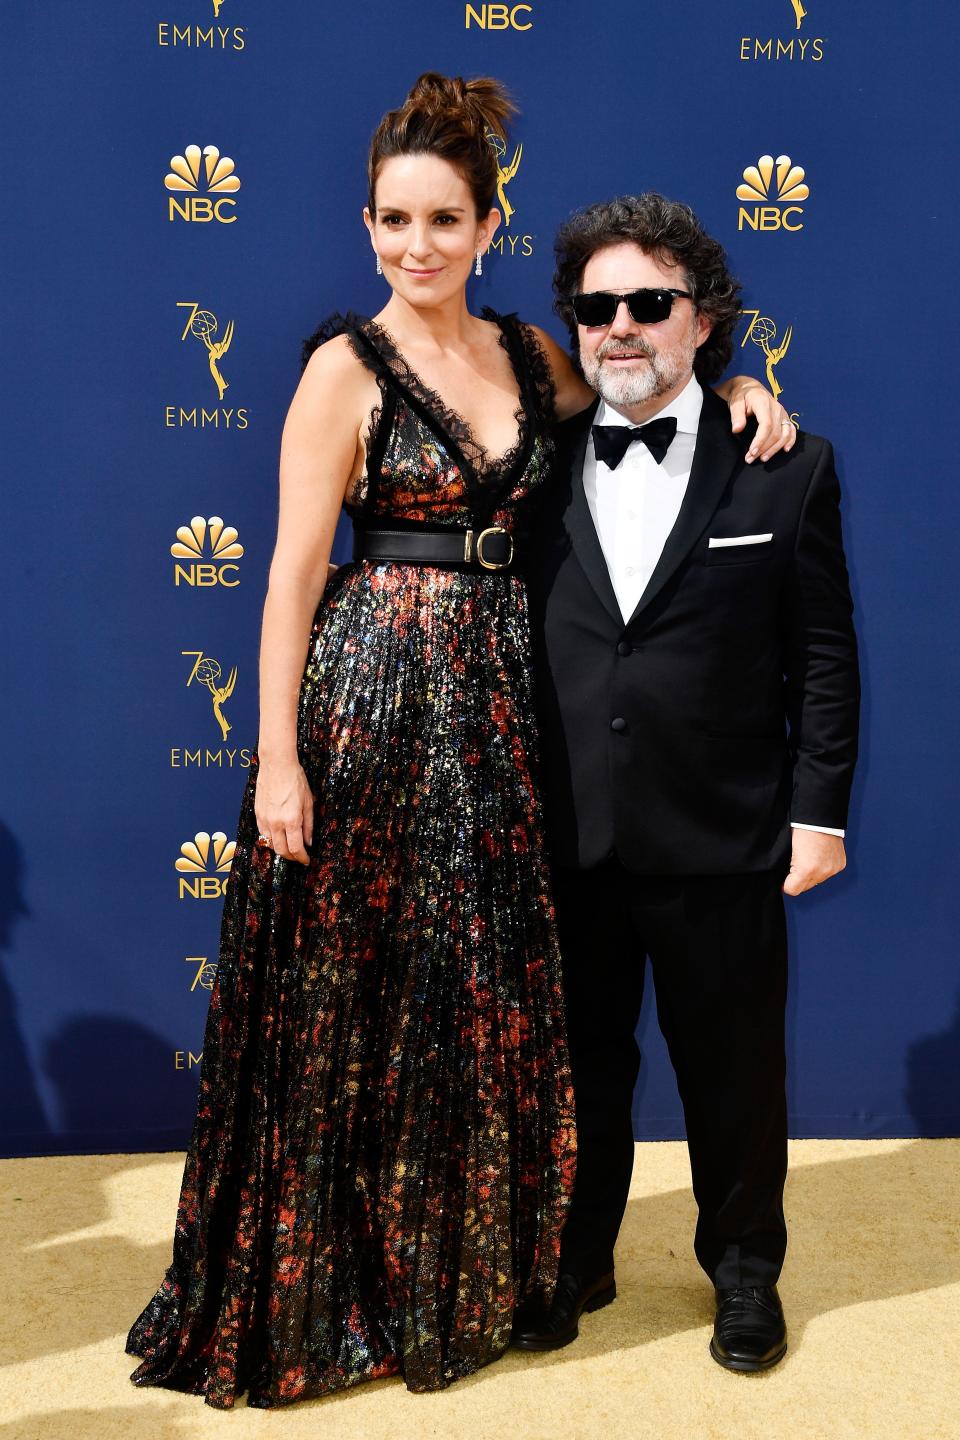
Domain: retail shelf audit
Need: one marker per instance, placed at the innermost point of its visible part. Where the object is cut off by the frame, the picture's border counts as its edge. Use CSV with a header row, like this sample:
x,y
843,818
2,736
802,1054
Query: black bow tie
x,y
611,442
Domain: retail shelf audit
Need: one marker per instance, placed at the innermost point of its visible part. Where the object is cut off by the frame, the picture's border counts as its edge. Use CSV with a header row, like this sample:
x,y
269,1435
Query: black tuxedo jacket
x,y
686,739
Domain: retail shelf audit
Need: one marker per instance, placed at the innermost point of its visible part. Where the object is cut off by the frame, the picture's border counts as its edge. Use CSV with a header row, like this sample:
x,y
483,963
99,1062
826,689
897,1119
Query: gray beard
x,y
635,387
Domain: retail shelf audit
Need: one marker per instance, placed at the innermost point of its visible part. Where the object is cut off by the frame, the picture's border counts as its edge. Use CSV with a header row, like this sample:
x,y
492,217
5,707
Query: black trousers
x,y
718,953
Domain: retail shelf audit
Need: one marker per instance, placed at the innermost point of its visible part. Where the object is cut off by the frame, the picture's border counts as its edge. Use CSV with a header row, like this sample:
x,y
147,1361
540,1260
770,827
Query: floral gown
x,y
383,1149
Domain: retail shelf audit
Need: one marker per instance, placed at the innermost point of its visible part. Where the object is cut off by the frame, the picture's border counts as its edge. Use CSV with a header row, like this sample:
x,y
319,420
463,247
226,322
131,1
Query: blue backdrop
x,y
130,307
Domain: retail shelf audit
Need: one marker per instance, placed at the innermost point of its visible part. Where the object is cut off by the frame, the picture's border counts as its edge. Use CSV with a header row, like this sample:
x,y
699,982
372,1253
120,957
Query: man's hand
x,y
814,859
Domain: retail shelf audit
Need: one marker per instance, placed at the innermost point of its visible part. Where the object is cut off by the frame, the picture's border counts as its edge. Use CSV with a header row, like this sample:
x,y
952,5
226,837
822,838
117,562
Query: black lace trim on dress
x,y
349,324
535,372
535,414
450,421
332,326
536,369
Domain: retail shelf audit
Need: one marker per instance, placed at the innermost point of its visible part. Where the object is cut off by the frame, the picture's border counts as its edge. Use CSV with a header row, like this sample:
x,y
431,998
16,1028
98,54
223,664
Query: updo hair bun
x,y
451,117
483,102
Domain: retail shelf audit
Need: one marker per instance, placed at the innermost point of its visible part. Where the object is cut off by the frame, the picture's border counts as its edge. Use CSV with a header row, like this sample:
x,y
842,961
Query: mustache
x,y
625,347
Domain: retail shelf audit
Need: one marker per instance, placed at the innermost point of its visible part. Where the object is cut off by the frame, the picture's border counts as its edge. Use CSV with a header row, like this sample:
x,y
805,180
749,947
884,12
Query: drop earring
x,y
478,268
379,266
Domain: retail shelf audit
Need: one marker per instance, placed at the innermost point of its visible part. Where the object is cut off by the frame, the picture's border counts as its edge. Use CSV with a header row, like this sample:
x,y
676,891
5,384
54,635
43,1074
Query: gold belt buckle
x,y
473,549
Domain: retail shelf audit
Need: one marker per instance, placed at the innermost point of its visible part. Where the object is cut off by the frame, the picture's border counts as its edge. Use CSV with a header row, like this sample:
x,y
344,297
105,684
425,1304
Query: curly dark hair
x,y
672,234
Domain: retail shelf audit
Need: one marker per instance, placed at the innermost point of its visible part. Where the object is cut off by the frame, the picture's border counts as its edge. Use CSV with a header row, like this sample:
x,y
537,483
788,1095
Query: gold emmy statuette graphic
x,y
505,173
203,325
207,672
217,5
762,331
205,974
799,11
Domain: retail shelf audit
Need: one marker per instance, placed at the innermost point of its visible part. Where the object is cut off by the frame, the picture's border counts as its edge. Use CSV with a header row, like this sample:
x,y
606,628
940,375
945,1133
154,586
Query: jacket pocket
x,y
740,555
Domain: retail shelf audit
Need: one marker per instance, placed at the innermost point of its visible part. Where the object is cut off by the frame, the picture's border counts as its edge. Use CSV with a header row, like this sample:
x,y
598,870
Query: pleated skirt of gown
x,y
384,1146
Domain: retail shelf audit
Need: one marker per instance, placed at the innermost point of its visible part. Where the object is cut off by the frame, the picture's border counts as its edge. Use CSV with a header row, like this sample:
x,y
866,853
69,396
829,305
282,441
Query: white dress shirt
x,y
635,506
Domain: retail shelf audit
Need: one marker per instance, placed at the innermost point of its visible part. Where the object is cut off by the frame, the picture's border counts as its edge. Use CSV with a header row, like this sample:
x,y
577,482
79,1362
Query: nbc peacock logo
x,y
203,865
206,552
204,170
775,188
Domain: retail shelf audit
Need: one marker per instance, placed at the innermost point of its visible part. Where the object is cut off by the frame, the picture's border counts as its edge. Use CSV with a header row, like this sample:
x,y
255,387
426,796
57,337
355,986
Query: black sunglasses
x,y
598,307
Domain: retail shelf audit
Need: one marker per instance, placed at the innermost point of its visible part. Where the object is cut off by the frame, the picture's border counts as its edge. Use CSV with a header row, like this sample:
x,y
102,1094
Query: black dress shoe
x,y
559,1325
749,1332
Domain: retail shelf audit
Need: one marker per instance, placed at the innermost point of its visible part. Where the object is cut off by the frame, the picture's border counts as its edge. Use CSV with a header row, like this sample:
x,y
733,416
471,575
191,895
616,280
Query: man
x,y
700,699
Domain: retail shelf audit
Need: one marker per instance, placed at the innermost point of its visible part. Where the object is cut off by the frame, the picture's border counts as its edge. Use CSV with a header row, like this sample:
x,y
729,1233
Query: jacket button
x,y
624,648
619,724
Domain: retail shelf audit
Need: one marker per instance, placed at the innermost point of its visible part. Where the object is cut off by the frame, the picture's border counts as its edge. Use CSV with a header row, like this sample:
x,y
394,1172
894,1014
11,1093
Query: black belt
x,y
491,549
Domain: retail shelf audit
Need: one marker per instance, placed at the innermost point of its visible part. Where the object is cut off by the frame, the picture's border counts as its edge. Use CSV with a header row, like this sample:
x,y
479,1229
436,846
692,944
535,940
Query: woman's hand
x,y
775,430
283,805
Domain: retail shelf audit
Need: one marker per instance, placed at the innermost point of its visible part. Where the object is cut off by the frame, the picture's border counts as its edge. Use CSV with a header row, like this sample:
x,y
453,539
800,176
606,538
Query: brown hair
x,y
459,120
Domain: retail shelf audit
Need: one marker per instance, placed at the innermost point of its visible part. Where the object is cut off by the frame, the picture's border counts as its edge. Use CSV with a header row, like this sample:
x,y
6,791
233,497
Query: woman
x,y
384,1144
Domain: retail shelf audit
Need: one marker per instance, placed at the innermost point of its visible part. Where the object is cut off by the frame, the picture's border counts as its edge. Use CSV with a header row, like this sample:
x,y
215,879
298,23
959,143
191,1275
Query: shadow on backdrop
x,y
21,1099
933,1080
106,1102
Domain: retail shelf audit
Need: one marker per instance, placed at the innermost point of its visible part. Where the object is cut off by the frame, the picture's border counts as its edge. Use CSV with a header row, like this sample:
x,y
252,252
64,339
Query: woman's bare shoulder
x,y
336,393
335,378
334,360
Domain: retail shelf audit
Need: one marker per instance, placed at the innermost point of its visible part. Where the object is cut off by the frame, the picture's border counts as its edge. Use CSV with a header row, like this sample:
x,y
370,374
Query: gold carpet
x,y
871,1289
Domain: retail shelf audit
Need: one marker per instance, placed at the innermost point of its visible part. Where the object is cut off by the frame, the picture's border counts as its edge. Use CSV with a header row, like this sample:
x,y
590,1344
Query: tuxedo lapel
x,y
578,521
717,453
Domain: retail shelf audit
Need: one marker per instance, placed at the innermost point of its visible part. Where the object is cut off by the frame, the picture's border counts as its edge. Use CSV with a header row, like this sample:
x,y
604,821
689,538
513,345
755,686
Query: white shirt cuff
x,y
820,829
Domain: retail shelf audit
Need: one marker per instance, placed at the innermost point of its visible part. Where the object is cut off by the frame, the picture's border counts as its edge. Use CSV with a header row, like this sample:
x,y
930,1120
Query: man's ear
x,y
704,327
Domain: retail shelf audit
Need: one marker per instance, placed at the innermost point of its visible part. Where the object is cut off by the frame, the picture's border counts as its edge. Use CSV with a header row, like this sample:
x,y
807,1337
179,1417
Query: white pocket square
x,y
716,541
